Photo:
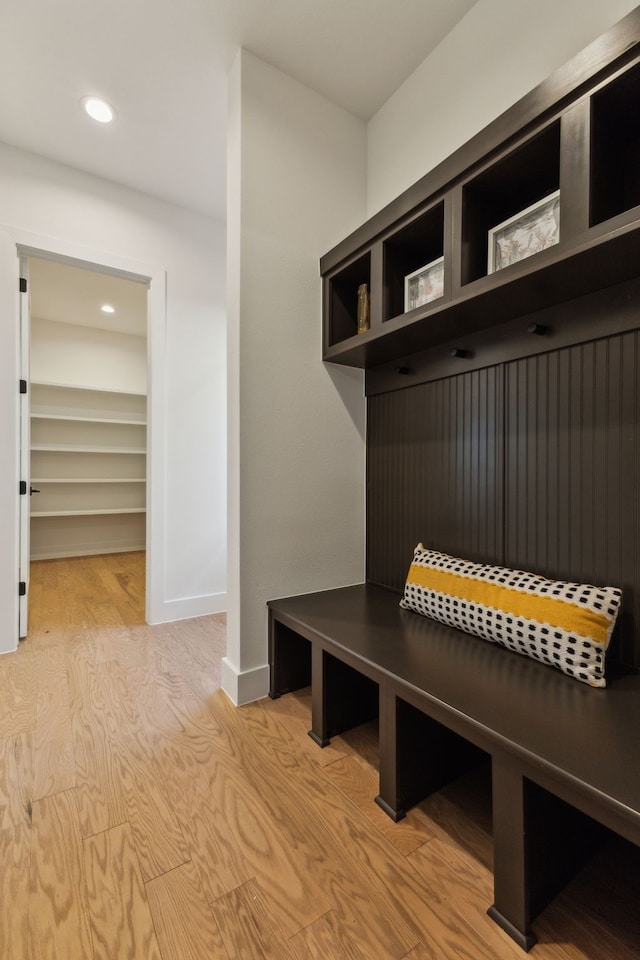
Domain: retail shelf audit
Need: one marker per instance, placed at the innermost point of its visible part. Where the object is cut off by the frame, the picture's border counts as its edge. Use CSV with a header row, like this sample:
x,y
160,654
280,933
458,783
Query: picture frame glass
x,y
424,285
534,229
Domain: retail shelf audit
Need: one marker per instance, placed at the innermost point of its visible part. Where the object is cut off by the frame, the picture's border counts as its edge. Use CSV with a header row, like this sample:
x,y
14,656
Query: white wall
x,y
296,185
499,52
103,359
52,201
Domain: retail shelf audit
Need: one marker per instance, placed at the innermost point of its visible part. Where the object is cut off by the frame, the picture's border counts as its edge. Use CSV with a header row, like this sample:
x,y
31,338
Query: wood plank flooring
x,y
144,817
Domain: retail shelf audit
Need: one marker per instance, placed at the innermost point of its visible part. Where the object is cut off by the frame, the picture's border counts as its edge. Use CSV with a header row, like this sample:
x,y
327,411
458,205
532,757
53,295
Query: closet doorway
x,y
87,413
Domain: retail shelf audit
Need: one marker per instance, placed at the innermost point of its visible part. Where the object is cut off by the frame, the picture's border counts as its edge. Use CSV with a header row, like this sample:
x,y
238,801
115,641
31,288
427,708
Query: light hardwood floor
x,y
143,817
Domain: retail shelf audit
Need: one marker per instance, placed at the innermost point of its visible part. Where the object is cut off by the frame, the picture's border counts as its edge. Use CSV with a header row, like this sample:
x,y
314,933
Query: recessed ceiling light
x,y
98,109
107,308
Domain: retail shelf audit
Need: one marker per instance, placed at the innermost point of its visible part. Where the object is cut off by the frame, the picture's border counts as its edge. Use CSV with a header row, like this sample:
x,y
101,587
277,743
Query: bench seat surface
x,y
582,743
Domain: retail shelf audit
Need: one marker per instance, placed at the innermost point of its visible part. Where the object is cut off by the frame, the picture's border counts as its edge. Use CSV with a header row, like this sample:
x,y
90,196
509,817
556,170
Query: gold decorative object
x,y
363,308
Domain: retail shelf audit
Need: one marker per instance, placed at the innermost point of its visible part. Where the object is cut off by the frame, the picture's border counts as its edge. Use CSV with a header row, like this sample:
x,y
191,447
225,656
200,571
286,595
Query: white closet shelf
x,y
88,480
72,419
67,448
85,513
80,435
74,386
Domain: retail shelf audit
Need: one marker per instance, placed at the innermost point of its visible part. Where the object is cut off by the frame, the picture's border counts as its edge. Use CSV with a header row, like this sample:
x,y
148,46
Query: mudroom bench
x,y
565,757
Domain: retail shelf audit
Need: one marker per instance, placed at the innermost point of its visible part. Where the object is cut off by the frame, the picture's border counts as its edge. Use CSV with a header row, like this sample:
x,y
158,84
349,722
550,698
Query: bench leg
x,y
389,799
418,755
319,727
289,659
540,842
511,909
341,697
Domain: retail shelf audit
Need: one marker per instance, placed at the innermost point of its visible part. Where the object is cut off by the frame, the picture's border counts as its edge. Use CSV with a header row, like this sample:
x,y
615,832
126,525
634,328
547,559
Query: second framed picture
x,y
529,232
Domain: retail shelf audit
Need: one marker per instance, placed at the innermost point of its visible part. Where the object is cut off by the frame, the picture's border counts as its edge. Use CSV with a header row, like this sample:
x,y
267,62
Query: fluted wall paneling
x,y
434,472
534,463
572,469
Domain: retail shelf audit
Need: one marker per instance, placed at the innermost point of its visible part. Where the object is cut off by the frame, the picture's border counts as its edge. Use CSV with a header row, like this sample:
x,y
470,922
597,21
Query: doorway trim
x,y
23,243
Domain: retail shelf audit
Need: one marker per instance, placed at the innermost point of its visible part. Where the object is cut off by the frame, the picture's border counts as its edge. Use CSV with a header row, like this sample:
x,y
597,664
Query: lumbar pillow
x,y
567,625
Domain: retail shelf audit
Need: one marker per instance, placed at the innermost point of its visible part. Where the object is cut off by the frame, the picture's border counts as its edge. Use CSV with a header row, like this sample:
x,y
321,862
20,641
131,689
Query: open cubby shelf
x,y
415,245
615,147
573,137
507,186
344,298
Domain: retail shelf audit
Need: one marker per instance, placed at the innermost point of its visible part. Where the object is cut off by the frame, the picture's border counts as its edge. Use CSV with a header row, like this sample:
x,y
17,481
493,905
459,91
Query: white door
x,y
25,443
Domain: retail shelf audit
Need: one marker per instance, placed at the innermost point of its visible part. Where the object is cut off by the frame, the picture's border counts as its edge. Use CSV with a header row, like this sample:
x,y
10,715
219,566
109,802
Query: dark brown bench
x,y
565,757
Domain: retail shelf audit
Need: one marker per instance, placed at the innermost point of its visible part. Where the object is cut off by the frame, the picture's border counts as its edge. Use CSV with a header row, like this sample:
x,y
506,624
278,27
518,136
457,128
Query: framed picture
x,y
529,232
424,285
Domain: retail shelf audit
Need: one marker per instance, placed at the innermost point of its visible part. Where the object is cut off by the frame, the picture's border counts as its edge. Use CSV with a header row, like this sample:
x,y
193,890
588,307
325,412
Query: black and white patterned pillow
x,y
566,625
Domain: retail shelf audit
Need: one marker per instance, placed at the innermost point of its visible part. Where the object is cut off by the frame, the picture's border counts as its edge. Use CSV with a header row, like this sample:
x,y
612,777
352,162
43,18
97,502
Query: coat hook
x,y
537,328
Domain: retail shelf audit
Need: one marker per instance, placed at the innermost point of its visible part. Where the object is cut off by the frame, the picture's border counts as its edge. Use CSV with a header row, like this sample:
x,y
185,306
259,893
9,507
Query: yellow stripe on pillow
x,y
572,617
564,625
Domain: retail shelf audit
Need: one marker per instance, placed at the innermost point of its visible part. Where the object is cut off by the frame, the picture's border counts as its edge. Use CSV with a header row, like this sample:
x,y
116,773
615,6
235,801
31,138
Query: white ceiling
x,y
69,294
163,65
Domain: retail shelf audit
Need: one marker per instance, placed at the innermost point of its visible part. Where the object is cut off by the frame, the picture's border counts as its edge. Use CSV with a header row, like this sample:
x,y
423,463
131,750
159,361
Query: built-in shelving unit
x,y
88,465
572,135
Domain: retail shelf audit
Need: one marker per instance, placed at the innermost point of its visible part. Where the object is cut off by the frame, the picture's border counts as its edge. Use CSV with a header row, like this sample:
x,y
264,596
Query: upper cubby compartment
x,y
413,263
615,147
503,191
343,298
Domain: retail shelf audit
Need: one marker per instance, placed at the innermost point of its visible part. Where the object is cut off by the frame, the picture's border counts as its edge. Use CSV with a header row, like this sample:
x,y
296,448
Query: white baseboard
x,y
247,686
93,551
187,608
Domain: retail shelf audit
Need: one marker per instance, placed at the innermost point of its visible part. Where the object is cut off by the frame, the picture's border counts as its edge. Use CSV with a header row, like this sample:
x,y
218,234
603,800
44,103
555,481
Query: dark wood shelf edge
x,y
601,262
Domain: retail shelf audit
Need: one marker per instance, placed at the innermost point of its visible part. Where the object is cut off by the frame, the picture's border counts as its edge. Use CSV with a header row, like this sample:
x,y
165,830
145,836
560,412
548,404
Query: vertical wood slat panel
x,y
563,429
434,472
573,471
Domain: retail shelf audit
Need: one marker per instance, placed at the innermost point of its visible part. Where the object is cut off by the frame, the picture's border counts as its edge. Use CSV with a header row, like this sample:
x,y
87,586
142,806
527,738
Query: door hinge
x,y
23,488
22,588
23,386
23,285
